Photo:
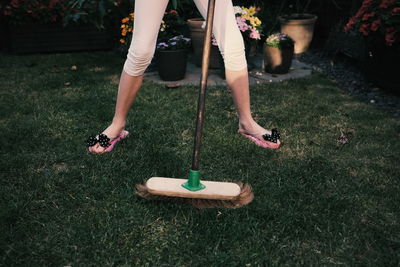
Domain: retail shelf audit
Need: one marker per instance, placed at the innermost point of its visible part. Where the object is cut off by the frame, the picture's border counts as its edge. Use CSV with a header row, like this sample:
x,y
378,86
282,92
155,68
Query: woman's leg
x,y
231,45
148,16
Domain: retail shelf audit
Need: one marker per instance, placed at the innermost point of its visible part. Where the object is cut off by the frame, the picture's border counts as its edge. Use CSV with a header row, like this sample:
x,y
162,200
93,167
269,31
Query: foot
x,y
260,136
112,132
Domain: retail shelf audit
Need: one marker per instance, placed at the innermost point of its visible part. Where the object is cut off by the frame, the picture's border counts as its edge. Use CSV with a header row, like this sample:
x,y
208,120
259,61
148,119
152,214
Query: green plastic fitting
x,y
193,183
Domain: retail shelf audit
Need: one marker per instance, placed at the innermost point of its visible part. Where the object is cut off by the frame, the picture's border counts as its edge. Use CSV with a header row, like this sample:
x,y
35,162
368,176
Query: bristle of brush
x,y
245,197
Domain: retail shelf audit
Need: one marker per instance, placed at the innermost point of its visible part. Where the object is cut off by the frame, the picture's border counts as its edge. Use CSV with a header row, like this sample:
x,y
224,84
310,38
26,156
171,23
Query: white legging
x,y
148,16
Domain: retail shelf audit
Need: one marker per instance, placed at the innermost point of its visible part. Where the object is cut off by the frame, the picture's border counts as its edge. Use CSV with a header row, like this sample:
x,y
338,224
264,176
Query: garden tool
x,y
201,194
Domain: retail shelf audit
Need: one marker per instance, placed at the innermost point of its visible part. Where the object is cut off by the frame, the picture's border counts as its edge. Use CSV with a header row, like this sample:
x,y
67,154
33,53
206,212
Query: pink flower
x,y
364,29
367,3
377,15
349,25
255,34
52,4
396,10
241,22
15,3
368,15
390,36
363,8
375,25
214,41
385,3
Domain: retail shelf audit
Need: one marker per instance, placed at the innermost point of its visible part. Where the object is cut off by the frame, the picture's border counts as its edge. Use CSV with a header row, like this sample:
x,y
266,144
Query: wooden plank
x,y
173,187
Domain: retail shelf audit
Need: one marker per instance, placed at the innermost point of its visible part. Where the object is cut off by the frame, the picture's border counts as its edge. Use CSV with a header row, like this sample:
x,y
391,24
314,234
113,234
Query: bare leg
x,y
238,82
129,86
141,50
230,42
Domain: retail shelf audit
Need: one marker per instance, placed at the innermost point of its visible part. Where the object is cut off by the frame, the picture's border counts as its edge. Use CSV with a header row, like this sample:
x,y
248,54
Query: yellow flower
x,y
122,41
123,33
123,26
130,29
125,20
163,26
132,15
251,10
254,21
246,17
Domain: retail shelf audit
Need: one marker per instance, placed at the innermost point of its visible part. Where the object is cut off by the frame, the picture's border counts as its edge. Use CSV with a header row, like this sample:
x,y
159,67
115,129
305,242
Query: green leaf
x,y
174,4
102,9
80,3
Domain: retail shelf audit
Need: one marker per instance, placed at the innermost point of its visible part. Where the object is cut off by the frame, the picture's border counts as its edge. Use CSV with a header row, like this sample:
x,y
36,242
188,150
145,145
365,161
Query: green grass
x,y
317,202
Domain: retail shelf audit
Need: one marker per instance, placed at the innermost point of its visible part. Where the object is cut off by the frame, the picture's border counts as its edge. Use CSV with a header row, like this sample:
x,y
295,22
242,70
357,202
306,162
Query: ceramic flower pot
x,y
277,60
197,35
300,27
171,65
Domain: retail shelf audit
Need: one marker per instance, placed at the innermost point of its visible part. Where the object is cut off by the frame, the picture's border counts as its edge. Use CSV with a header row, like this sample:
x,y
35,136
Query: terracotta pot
x,y
277,61
300,27
171,65
197,36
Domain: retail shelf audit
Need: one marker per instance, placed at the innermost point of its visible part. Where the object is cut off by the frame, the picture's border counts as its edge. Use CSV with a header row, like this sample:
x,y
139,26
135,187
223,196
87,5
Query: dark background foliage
x,y
330,13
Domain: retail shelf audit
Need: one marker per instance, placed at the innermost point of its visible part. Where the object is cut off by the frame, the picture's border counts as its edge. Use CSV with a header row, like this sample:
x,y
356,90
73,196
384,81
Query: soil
x,y
348,76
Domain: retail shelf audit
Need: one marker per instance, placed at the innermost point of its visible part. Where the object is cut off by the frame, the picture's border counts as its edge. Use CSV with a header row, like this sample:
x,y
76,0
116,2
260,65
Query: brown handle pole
x,y
203,86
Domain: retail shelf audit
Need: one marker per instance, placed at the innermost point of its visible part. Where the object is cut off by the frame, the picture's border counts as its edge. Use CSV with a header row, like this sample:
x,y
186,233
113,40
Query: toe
x,y
97,149
277,144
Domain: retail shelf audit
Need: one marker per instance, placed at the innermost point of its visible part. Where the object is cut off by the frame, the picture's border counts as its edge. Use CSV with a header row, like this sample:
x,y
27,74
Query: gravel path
x,y
351,80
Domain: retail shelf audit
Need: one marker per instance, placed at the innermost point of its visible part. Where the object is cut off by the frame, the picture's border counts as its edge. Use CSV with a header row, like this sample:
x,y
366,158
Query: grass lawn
x,y
317,201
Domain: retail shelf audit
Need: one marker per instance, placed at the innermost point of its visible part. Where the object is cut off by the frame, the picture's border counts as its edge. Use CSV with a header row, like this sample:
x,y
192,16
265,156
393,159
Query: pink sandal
x,y
264,140
105,141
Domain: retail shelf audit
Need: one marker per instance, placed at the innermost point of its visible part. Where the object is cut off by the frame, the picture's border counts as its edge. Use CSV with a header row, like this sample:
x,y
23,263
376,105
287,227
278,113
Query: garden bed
x,y
56,38
349,74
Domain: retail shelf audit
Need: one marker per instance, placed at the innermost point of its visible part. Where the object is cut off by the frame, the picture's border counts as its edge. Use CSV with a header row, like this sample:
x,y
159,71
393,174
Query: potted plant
x,y
299,25
278,53
172,58
172,47
249,25
171,26
197,32
378,22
